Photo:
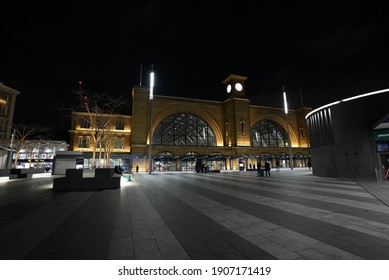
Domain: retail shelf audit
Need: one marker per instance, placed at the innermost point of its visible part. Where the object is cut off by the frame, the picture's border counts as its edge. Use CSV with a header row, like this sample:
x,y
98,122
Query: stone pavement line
x,y
85,235
236,221
361,244
376,211
141,231
145,245
272,225
373,228
380,190
201,237
299,185
324,198
121,243
21,236
321,183
168,245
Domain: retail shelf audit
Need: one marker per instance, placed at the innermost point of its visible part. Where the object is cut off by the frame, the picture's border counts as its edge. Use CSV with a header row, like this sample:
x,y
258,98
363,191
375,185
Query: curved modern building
x,y
350,137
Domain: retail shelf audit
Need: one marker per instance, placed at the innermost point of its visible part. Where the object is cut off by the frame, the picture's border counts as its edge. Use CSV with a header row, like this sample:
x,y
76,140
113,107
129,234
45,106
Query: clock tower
x,y
235,86
236,112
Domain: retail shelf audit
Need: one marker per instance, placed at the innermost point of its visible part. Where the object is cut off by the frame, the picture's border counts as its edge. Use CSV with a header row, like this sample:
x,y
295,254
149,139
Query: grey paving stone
x,y
121,249
147,250
292,215
171,249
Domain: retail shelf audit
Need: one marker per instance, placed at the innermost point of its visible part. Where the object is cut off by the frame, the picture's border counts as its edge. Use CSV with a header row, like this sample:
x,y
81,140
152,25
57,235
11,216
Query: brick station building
x,y
229,135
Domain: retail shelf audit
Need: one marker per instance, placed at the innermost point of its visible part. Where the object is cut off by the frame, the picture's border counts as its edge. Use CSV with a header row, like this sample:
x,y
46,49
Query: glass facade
x,y
184,129
268,134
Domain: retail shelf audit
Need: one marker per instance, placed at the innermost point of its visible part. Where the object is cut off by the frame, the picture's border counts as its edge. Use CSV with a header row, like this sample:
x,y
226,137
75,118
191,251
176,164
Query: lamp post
x,y
11,144
151,121
287,122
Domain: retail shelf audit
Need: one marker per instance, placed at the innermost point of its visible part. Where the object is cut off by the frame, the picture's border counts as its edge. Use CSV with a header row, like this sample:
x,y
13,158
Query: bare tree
x,y
108,145
99,111
25,132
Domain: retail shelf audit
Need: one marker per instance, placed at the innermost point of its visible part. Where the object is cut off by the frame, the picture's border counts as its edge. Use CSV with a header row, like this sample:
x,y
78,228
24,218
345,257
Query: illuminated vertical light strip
x,y
11,149
288,128
151,121
151,84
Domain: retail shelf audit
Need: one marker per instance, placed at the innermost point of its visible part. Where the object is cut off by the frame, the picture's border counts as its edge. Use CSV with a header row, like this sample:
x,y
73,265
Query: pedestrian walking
x,y
137,169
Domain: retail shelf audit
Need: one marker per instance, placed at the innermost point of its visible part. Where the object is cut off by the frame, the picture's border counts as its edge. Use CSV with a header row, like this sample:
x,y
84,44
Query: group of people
x,y
119,170
260,171
267,168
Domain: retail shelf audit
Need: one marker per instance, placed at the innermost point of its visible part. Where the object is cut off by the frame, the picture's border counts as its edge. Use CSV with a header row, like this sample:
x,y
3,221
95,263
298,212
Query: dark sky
x,y
326,50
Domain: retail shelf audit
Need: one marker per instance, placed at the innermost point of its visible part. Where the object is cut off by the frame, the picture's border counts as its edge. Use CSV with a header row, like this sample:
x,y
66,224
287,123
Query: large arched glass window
x,y
184,129
268,133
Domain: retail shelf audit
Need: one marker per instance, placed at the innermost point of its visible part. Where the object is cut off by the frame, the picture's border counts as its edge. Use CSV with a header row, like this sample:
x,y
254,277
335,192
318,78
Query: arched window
x,y
184,129
268,133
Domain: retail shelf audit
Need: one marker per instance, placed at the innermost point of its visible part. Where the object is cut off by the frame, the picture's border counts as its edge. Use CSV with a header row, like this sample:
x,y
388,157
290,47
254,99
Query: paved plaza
x,y
230,215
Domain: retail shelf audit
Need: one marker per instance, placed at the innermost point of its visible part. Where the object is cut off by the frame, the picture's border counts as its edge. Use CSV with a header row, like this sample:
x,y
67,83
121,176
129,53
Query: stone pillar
x,y
179,164
228,163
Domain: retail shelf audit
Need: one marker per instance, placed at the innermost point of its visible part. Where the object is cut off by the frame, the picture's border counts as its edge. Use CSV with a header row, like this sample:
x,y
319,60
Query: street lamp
x,y
11,150
287,122
150,107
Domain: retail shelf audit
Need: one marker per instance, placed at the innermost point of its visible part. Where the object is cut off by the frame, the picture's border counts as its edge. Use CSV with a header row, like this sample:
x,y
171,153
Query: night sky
x,y
324,50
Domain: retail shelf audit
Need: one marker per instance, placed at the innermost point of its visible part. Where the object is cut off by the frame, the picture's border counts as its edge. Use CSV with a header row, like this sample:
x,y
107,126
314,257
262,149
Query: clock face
x,y
238,86
229,88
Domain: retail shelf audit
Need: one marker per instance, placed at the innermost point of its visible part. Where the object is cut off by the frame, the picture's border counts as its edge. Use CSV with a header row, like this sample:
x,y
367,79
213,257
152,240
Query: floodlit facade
x,y
187,134
191,134
115,142
350,137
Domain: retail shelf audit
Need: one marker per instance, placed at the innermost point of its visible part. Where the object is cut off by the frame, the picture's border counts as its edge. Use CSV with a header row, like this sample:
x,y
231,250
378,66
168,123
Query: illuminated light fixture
x,y
345,100
3,101
287,123
285,101
151,84
151,115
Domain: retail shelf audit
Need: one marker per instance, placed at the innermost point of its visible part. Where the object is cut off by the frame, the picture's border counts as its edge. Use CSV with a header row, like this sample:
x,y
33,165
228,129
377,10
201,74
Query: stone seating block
x,y
16,173
103,173
74,181
74,173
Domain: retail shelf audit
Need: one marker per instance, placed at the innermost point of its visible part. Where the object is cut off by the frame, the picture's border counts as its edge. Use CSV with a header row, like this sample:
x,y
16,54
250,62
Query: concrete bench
x,y
25,172
104,178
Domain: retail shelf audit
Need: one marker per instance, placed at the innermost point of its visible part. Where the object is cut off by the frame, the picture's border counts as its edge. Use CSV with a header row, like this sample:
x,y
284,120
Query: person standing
x,y
137,169
277,165
267,168
259,169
